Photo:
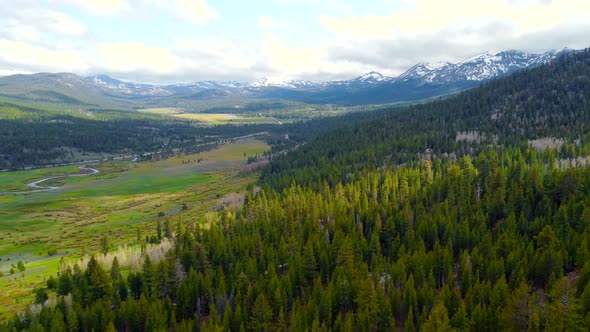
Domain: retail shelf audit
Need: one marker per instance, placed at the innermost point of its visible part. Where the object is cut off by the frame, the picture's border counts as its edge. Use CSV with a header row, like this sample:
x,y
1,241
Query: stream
x,y
37,187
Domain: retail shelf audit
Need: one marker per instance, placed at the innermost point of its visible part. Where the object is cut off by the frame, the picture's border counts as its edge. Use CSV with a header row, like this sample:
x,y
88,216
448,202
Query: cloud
x,y
421,16
37,21
216,58
24,21
191,11
345,39
454,44
61,23
16,31
134,56
431,30
184,60
368,26
100,7
38,58
291,61
28,22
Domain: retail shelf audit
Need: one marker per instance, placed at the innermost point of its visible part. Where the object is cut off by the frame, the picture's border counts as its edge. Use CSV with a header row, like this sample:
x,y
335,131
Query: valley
x,y
124,199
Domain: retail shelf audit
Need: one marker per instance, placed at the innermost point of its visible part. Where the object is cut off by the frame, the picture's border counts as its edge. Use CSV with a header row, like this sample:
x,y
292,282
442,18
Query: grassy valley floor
x,y
43,229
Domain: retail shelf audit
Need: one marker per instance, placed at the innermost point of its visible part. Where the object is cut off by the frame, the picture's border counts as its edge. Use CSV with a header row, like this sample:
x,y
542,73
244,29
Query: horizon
x,y
164,42
266,79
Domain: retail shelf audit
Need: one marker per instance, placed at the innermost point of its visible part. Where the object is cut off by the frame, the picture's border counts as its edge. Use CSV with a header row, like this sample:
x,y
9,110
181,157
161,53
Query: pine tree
x,y
99,282
261,319
438,319
105,245
460,320
57,322
115,270
148,276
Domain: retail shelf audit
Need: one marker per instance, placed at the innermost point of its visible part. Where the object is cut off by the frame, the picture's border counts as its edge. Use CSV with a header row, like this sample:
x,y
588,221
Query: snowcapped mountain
x,y
294,84
115,86
201,86
478,68
424,71
488,65
421,81
372,78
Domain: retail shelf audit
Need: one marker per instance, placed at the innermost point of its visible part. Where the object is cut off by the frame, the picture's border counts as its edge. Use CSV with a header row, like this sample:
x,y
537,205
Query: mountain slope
x,y
478,68
58,88
117,87
32,136
547,101
421,81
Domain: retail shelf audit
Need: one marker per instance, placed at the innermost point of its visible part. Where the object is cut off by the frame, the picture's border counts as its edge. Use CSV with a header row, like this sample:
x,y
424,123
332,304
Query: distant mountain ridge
x,y
423,80
479,68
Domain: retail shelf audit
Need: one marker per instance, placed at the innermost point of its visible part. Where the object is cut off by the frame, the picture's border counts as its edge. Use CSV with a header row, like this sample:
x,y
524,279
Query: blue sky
x,y
163,41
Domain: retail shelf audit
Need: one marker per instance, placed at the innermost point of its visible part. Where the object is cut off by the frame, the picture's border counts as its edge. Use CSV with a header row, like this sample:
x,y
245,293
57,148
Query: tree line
x,y
500,241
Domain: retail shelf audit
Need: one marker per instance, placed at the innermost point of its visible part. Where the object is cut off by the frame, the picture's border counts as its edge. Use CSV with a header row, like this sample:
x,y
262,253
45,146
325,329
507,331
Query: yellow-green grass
x,y
162,110
117,202
223,118
209,118
212,118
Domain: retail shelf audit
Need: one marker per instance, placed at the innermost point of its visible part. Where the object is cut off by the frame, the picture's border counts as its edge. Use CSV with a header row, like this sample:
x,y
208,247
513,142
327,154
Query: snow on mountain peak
x,y
108,83
436,65
485,57
479,67
373,77
281,83
260,83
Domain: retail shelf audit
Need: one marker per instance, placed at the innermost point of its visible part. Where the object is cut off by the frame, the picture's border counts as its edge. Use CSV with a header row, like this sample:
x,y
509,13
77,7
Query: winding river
x,y
37,187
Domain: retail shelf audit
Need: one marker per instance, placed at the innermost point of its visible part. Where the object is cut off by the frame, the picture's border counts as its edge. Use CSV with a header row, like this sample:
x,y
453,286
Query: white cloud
x,y
420,16
224,55
47,20
133,56
63,24
191,11
292,60
195,11
39,58
306,62
433,30
367,26
100,7
21,32
42,35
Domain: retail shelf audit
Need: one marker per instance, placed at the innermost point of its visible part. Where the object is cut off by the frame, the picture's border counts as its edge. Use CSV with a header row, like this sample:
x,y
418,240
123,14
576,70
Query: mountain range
x,y
421,81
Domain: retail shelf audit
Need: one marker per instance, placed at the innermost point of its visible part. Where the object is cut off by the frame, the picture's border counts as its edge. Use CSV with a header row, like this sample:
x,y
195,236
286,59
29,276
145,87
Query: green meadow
x,y
45,228
209,119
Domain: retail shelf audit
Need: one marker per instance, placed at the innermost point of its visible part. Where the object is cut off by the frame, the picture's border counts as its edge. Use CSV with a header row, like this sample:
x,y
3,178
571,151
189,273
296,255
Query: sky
x,y
170,41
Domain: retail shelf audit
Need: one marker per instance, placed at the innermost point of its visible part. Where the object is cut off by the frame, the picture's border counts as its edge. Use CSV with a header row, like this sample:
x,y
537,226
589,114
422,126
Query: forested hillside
x,y
432,218
32,136
548,101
